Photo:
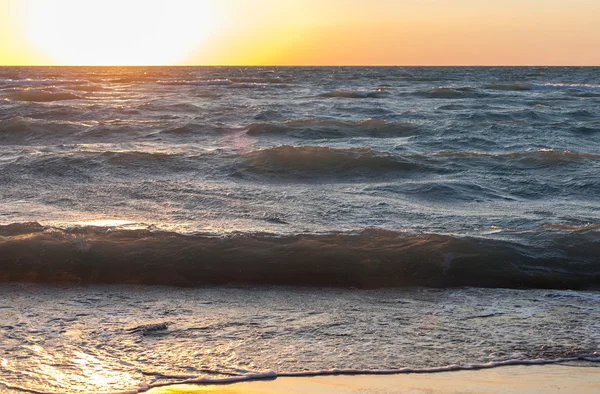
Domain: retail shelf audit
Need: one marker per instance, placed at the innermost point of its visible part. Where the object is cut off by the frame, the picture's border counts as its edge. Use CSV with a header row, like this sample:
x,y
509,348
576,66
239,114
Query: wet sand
x,y
514,379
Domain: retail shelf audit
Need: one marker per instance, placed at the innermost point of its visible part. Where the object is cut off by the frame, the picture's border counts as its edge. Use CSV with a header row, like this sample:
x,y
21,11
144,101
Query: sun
x,y
119,32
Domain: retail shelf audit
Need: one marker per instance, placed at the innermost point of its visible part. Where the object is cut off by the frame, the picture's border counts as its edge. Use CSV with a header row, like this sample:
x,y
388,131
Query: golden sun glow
x,y
118,32
299,32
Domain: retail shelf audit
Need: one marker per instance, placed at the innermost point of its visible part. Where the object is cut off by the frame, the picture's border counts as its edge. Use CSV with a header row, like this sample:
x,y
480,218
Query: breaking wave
x,y
544,258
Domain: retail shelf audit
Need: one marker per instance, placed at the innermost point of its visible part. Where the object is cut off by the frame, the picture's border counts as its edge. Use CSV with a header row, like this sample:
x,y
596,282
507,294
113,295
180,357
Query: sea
x,y
161,225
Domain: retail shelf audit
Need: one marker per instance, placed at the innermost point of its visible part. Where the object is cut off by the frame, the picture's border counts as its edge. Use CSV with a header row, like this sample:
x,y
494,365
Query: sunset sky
x,y
300,32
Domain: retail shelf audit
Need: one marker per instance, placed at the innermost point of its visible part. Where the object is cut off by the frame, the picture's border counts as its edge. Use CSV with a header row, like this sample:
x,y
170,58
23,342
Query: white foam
x,y
558,86
211,82
329,372
227,380
447,368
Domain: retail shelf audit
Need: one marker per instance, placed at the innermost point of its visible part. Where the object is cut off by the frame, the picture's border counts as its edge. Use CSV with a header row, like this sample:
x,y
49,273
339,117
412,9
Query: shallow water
x,y
115,338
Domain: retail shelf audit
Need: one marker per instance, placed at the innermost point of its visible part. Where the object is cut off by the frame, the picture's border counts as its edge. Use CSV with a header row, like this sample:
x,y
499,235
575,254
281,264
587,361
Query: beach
x,y
554,379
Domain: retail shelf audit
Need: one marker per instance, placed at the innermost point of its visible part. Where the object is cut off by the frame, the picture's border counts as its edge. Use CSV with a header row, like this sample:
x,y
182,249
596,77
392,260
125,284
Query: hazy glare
x,y
324,32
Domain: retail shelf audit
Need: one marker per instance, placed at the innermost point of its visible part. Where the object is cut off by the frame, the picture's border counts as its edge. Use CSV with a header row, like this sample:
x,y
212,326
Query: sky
x,y
299,32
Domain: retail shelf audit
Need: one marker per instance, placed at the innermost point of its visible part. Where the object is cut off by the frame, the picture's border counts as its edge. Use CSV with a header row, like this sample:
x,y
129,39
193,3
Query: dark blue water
x,y
343,176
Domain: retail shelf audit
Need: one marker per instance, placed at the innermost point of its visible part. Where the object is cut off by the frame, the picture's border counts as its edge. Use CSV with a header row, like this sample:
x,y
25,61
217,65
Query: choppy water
x,y
350,177
486,169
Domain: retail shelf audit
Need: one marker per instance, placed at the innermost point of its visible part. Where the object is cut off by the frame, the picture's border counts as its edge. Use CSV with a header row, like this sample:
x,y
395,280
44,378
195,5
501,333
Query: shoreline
x,y
555,378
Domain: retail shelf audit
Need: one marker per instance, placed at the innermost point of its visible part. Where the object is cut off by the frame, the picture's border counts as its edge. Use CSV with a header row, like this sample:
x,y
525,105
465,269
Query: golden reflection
x,y
104,223
100,375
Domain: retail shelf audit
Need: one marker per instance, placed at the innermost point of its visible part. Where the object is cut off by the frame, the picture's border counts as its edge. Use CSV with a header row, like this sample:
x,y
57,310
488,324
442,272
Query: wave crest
x,y
370,258
356,94
206,82
321,161
510,86
450,93
542,157
43,96
20,128
315,128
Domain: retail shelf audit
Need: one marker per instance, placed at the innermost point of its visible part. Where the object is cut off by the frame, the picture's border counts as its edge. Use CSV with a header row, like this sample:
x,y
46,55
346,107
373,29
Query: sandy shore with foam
x,y
546,379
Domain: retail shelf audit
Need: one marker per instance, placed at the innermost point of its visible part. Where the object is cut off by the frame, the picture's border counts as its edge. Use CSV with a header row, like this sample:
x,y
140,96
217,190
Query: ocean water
x,y
312,219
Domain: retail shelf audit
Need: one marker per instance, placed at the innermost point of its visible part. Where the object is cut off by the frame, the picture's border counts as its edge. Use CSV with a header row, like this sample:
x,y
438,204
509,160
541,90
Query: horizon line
x,y
297,65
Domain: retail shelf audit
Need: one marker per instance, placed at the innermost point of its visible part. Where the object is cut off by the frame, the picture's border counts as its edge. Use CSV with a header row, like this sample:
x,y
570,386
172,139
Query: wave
x,y
258,85
541,157
87,88
567,86
133,79
510,86
43,96
189,128
583,115
356,94
201,129
551,156
317,129
453,107
367,259
475,91
20,128
526,86
242,83
451,93
85,165
585,94
41,83
34,131
507,116
259,80
209,82
322,161
301,163
443,191
587,129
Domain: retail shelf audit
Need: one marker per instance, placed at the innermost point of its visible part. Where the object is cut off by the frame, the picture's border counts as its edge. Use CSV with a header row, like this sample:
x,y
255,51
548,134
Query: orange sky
x,y
302,32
